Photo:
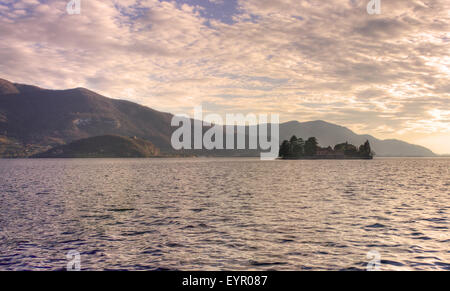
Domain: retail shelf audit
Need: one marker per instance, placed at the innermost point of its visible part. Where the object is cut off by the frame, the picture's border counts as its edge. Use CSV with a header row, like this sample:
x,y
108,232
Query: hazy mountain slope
x,y
58,116
36,116
108,146
7,87
332,134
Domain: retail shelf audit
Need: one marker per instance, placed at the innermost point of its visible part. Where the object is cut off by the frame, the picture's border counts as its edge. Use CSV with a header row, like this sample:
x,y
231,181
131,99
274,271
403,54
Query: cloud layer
x,y
385,74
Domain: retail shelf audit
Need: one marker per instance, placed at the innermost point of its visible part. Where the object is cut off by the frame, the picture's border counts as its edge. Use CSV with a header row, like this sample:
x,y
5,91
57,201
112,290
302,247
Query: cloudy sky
x,y
387,75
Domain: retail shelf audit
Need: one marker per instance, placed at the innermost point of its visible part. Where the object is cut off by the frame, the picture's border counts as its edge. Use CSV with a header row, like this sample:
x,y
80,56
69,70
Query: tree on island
x,y
285,149
311,146
293,145
365,150
293,148
296,146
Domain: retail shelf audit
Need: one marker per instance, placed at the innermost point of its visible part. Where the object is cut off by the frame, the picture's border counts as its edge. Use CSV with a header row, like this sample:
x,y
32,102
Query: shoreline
x,y
231,157
328,158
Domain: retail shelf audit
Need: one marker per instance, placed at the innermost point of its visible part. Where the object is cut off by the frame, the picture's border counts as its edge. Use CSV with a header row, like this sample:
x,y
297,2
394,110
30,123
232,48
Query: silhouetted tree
x,y
341,147
311,146
296,146
285,149
347,149
292,143
299,148
351,150
365,150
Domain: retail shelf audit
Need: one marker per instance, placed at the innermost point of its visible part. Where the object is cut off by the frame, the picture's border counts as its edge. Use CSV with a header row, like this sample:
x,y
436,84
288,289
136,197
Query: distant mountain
x,y
108,146
40,118
329,134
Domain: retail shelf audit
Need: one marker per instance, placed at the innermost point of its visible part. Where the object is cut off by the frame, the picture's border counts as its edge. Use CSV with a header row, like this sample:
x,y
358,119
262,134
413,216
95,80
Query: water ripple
x,y
224,214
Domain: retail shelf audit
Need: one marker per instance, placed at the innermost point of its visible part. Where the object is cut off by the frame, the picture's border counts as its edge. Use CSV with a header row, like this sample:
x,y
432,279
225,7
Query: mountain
x,y
40,118
108,146
37,116
329,134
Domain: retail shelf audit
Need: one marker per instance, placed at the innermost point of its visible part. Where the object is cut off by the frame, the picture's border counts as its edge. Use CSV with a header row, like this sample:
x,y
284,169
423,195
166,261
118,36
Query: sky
x,y
386,75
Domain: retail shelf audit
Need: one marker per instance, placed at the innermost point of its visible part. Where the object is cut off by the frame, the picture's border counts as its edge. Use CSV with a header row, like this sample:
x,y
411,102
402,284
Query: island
x,y
298,149
107,146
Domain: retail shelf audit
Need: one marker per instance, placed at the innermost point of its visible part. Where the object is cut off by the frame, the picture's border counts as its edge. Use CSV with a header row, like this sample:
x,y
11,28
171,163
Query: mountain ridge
x,y
33,115
333,136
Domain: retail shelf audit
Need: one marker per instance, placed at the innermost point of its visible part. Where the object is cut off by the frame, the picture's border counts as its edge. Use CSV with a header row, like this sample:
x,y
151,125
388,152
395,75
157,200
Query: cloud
x,y
381,74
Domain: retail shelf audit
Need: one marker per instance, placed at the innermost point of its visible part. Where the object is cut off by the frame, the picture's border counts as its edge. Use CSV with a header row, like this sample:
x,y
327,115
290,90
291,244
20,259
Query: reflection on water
x,y
225,214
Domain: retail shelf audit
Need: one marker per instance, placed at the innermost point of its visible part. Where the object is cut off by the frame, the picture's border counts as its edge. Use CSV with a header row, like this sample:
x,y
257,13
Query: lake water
x,y
225,214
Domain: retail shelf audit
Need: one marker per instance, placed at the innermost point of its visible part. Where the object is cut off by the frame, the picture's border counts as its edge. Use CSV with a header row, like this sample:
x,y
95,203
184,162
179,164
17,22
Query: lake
x,y
225,214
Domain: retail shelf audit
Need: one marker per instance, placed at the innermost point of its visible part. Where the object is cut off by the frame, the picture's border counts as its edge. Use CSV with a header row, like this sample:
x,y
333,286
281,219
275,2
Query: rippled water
x,y
225,214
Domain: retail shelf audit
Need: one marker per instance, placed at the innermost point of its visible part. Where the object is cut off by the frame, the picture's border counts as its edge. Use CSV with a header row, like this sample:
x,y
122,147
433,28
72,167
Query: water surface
x,y
224,214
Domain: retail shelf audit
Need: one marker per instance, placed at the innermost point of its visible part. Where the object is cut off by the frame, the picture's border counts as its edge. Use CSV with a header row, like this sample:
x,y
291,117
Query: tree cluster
x,y
298,148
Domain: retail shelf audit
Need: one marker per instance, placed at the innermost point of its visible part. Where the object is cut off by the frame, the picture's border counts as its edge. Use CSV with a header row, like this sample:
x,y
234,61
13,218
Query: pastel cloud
x,y
385,74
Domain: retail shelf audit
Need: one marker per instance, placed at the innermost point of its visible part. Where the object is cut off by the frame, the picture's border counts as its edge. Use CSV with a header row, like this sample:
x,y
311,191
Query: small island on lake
x,y
298,149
